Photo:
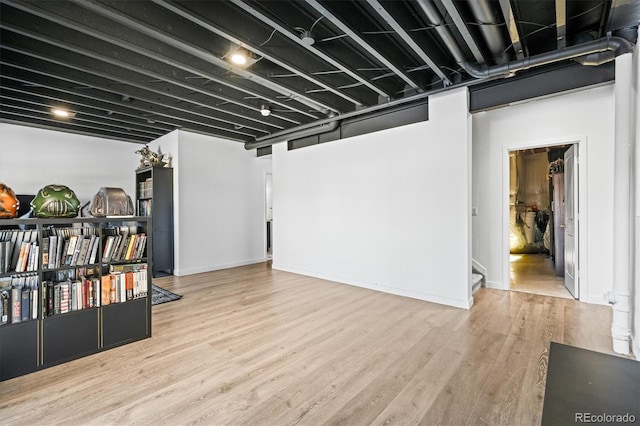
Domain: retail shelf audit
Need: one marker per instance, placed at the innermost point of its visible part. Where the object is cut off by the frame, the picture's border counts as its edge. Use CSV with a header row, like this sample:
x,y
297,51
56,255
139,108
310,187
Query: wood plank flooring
x,y
254,346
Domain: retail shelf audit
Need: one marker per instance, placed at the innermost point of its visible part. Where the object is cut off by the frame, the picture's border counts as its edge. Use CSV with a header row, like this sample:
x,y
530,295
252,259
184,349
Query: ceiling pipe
x,y
486,16
595,59
435,18
480,72
617,45
591,53
263,141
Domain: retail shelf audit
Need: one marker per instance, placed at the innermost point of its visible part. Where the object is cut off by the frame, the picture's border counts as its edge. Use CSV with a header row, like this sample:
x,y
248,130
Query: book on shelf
x,y
53,247
82,252
108,248
105,292
25,306
71,248
16,304
62,244
45,252
94,250
5,304
17,246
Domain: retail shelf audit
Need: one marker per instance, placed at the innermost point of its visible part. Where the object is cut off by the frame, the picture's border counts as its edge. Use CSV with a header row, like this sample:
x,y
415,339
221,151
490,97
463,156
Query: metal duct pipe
x,y
486,16
435,18
615,44
298,132
595,59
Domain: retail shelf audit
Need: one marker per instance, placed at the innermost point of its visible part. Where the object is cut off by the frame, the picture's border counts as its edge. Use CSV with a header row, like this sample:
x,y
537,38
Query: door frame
x,y
581,230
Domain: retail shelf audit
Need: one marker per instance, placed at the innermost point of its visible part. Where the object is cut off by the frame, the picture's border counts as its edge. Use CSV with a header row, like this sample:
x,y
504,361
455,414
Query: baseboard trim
x,y
496,285
210,268
456,303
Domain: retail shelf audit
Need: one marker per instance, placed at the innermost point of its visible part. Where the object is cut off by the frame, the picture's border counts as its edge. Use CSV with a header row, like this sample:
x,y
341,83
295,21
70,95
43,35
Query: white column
x,y
620,296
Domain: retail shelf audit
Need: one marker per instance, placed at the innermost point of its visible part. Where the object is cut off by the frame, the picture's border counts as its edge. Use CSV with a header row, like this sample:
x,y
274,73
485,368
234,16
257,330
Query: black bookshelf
x,y
47,336
154,197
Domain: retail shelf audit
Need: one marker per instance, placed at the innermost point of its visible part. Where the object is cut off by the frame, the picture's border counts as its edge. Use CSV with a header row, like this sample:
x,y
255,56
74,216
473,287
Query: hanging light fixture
x,y
265,110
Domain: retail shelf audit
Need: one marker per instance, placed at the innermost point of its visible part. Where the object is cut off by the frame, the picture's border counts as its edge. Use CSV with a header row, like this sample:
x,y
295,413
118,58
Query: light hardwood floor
x,y
535,273
253,346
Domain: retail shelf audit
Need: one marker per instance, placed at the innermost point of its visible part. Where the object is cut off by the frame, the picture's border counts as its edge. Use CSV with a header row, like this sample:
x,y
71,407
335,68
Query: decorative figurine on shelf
x,y
150,158
111,202
9,203
55,201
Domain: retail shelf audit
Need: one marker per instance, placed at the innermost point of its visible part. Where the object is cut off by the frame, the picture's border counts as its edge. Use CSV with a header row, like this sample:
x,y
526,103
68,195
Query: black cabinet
x,y
70,336
19,350
154,197
65,303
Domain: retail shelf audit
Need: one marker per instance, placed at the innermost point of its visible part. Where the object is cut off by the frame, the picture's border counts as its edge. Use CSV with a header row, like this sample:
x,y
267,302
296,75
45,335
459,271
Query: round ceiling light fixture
x,y
265,110
239,58
62,113
307,38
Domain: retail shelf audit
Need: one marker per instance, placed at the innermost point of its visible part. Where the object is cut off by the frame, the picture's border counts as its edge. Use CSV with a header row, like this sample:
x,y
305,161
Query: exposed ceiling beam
x,y
196,51
510,21
91,78
561,23
182,118
44,106
122,74
366,46
57,126
181,11
40,114
408,40
155,56
464,31
95,107
294,37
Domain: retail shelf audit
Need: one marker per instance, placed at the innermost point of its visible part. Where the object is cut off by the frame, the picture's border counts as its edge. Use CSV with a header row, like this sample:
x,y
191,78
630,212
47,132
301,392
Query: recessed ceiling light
x,y
239,58
62,113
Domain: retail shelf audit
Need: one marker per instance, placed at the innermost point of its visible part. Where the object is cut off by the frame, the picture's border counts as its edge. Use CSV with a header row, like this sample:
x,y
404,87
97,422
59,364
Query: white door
x,y
571,222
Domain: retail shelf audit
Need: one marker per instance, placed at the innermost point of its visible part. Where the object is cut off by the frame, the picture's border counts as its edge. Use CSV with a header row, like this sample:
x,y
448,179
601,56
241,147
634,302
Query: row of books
x,y
19,299
27,256
144,207
58,252
145,188
11,248
67,247
123,247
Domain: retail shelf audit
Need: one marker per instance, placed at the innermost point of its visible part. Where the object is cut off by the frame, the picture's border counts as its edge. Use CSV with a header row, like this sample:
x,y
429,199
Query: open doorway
x,y
268,203
537,221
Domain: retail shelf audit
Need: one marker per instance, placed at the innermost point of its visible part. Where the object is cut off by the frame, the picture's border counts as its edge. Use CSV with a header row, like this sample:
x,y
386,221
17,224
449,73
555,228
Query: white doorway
x,y
268,207
542,230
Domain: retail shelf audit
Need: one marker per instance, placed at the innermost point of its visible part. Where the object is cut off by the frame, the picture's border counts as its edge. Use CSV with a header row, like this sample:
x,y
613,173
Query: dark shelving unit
x,y
47,339
154,197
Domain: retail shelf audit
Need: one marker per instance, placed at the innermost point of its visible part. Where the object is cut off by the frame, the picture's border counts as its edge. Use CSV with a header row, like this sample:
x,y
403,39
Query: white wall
x,y
388,211
31,158
585,117
635,191
219,202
